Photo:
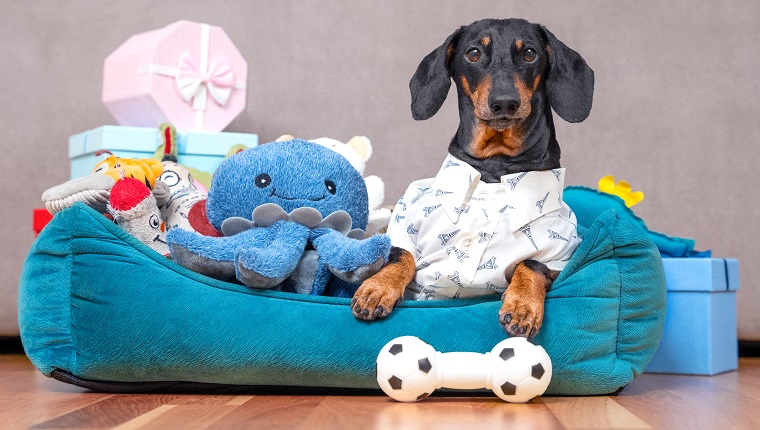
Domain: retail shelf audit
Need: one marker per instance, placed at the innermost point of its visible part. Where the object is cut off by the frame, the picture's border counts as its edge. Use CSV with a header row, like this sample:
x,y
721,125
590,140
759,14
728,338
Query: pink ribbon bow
x,y
194,83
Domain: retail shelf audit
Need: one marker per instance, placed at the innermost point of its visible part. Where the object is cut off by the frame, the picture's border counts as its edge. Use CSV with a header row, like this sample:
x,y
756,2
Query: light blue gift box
x,y
700,323
201,150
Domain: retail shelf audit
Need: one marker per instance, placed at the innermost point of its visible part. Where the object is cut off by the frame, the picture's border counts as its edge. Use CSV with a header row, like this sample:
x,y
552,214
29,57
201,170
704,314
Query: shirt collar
x,y
528,195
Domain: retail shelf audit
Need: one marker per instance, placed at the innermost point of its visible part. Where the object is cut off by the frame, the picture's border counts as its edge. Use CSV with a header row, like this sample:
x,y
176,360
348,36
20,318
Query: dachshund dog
x,y
493,220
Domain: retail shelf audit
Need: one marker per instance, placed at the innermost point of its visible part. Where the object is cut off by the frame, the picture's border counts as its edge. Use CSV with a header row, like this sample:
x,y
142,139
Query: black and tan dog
x,y
509,75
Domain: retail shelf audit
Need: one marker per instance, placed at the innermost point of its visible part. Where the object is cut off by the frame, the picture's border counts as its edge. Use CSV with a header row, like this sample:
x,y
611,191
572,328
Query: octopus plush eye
x,y
263,180
529,55
473,55
154,221
330,185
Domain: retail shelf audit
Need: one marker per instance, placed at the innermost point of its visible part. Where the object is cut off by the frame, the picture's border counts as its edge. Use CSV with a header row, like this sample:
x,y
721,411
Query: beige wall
x,y
675,112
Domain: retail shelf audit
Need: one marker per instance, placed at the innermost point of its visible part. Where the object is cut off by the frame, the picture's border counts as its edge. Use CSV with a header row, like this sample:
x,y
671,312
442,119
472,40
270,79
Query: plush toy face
x,y
183,195
292,174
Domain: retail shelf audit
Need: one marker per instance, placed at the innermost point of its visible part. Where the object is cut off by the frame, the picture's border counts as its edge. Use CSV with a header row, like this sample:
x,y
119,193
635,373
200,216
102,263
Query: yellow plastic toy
x,y
622,189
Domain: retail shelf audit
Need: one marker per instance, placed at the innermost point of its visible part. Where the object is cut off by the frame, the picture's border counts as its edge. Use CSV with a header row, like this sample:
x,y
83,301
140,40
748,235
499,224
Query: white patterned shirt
x,y
468,236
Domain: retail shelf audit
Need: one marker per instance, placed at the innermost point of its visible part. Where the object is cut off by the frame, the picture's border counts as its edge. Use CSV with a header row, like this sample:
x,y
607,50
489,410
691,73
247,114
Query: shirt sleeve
x,y
398,229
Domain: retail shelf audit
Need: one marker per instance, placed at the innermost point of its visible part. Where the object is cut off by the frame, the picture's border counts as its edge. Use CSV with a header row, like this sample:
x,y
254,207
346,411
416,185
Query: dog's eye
x,y
330,185
263,180
529,55
473,54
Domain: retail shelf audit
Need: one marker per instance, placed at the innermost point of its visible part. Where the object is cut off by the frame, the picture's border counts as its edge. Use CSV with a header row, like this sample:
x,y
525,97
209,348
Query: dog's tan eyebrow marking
x,y
519,44
485,41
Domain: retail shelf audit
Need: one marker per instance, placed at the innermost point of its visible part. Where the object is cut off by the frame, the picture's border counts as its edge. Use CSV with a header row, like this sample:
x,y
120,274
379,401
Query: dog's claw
x,y
379,311
505,319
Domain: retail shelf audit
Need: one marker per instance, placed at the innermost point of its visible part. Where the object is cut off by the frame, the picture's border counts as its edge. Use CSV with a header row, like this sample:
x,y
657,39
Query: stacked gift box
x,y
199,150
187,74
700,322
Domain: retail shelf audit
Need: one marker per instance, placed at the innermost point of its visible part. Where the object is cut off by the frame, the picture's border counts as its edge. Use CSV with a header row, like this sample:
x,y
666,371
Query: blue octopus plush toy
x,y
292,215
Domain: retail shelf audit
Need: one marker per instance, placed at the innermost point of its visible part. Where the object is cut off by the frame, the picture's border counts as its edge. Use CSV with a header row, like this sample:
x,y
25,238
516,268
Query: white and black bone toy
x,y
409,370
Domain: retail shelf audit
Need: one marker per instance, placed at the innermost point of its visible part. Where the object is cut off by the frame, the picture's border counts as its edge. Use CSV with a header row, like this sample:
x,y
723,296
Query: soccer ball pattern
x,y
404,369
524,372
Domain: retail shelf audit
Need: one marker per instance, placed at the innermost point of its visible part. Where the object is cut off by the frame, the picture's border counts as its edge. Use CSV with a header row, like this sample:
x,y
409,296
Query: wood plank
x,y
499,414
269,412
29,410
187,416
746,381
383,412
680,401
592,413
202,400
28,398
144,419
11,362
109,412
239,400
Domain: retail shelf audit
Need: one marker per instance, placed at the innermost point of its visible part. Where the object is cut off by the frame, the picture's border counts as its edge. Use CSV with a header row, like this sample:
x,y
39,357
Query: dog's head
x,y
506,72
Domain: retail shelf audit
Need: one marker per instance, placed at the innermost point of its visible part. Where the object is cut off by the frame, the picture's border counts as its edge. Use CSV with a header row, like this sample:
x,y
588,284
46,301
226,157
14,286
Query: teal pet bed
x,y
99,309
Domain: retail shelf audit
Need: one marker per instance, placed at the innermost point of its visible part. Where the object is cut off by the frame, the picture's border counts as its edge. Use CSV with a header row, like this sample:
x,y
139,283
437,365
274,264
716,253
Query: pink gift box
x,y
188,74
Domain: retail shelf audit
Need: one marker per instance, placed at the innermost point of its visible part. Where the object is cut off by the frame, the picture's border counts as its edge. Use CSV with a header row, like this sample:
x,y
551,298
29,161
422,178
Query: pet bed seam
x,y
70,258
620,283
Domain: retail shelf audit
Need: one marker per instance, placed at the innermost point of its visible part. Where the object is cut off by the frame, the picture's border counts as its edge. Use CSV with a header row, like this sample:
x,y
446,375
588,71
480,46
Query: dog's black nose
x,y
504,106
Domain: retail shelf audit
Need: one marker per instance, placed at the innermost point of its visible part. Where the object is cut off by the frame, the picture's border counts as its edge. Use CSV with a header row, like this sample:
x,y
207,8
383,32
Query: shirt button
x,y
467,243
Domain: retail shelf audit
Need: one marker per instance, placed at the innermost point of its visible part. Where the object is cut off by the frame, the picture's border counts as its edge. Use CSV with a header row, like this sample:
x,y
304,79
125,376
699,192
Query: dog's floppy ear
x,y
431,82
570,81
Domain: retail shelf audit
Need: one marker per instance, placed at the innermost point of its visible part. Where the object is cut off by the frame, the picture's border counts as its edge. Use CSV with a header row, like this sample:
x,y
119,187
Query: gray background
x,y
675,110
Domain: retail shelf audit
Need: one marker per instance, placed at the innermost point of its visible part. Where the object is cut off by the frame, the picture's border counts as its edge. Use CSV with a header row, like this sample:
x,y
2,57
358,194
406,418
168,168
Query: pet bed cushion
x,y
99,309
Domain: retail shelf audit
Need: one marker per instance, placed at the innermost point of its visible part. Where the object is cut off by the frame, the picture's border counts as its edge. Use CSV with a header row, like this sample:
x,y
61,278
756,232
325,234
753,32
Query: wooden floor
x,y
727,401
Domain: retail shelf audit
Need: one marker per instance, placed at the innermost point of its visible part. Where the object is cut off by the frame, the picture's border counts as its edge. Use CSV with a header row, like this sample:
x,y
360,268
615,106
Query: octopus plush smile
x,y
292,215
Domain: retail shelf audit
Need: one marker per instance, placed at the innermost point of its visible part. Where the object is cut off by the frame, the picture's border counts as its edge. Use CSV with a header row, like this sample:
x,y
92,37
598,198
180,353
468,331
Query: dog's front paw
x,y
374,299
521,316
